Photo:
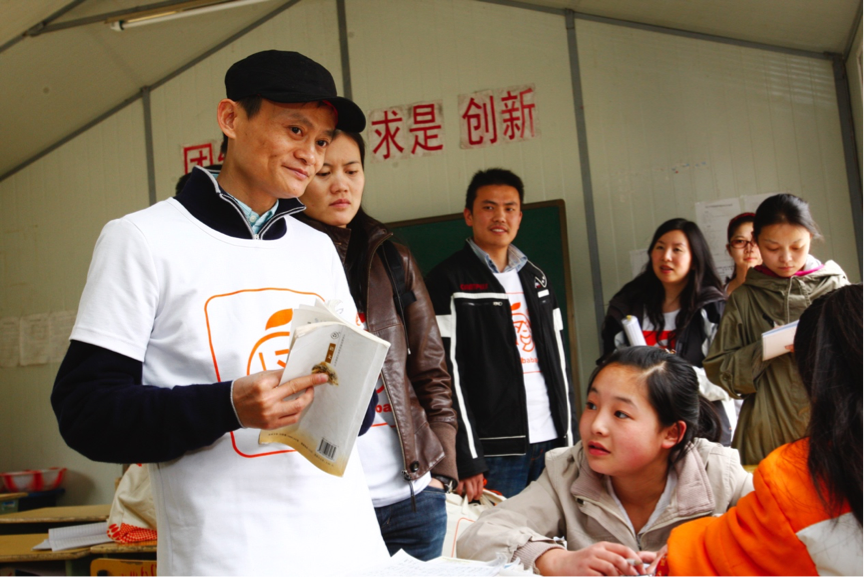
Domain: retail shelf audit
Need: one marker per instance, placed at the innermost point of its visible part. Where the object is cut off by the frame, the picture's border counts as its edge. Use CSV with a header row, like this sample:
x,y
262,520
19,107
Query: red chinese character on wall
x,y
197,154
517,113
479,120
425,124
387,134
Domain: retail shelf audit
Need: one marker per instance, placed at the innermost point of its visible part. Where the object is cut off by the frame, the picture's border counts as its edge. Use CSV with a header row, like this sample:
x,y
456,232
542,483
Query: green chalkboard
x,y
542,237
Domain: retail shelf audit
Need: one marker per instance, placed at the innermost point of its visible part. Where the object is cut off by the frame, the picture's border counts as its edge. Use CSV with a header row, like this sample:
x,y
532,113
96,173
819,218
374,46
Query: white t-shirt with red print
x,y
541,427
667,338
381,454
197,306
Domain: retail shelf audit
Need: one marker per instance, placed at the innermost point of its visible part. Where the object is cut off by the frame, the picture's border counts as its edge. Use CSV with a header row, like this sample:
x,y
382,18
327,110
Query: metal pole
x,y
850,148
148,145
343,48
585,166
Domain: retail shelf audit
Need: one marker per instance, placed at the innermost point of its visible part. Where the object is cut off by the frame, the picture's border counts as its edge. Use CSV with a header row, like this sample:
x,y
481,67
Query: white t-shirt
x,y
381,455
649,331
541,427
198,306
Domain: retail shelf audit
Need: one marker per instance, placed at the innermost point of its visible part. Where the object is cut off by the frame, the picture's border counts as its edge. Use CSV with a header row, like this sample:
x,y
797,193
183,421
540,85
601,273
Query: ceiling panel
x,y
62,80
19,15
57,82
816,26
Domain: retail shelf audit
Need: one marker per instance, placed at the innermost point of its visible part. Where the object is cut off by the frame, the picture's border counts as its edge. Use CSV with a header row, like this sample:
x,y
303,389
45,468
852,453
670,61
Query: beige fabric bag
x,y
133,515
461,514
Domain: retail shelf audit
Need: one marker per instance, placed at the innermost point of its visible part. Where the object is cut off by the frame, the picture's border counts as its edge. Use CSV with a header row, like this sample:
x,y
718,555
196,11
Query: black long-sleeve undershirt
x,y
106,414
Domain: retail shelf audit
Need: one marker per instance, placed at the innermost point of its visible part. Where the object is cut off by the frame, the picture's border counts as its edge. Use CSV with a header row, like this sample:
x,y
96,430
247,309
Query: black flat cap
x,y
283,76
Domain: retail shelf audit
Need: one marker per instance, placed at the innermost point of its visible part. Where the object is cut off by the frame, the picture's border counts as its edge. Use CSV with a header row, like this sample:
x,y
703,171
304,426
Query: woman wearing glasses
x,y
743,249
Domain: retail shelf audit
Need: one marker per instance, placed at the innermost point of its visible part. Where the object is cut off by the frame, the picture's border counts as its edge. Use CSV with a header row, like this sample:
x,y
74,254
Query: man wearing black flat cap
x,y
181,330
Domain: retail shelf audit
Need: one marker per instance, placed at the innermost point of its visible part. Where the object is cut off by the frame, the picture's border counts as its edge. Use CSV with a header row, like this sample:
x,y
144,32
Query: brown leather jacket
x,y
418,384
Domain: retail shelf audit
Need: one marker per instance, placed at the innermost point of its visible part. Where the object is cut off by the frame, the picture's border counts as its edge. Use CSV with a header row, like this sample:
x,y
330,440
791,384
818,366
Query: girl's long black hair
x,y
673,391
828,353
703,276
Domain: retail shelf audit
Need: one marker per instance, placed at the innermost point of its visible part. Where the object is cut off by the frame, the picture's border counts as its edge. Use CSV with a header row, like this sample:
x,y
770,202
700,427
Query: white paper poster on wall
x,y
713,219
34,339
60,326
492,117
10,328
751,203
406,131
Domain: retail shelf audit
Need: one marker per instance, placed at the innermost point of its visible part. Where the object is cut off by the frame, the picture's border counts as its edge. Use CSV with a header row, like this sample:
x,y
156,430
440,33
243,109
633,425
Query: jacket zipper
x,y
266,226
405,472
242,216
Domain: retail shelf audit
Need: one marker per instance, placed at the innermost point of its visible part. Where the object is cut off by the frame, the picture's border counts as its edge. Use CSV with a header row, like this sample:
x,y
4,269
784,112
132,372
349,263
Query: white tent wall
x,y
184,109
51,214
760,121
853,73
674,121
421,50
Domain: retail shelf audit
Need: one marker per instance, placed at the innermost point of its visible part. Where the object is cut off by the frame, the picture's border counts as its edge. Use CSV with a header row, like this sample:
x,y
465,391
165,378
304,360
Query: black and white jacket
x,y
476,325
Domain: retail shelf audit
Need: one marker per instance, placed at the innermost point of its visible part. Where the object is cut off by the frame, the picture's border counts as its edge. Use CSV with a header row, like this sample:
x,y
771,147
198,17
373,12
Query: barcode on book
x,y
327,449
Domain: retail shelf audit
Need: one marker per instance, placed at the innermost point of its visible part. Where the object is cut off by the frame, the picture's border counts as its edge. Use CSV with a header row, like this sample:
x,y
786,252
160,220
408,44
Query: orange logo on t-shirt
x,y
271,350
523,329
249,332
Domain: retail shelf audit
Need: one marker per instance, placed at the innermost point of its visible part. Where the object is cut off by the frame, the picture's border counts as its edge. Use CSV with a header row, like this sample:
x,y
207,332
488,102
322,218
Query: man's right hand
x,y
260,401
471,487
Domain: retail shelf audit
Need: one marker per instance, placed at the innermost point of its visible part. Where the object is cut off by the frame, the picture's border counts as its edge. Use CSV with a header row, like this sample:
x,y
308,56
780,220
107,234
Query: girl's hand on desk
x,y
599,559
261,403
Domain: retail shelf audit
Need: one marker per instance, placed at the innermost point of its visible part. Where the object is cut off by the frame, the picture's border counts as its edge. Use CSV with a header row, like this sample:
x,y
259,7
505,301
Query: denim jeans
x,y
509,475
421,532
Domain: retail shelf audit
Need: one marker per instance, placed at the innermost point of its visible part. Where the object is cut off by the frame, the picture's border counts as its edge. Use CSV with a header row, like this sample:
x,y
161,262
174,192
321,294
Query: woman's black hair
x,y
828,353
358,245
784,209
702,276
673,391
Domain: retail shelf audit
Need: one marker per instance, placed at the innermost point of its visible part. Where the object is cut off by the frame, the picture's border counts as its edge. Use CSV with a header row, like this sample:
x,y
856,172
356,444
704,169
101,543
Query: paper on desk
x,y
404,564
774,341
62,538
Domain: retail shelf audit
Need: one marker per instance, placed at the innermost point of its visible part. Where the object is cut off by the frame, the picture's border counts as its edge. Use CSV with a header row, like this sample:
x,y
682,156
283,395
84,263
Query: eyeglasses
x,y
741,242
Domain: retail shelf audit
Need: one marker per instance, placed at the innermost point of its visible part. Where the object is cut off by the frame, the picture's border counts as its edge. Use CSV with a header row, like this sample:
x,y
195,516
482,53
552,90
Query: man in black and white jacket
x,y
502,330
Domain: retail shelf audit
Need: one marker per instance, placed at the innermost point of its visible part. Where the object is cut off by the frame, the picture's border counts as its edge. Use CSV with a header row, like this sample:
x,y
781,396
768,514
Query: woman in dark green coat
x,y
776,409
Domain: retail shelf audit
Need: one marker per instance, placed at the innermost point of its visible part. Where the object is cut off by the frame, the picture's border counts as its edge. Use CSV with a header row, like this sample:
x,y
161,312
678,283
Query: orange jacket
x,y
782,528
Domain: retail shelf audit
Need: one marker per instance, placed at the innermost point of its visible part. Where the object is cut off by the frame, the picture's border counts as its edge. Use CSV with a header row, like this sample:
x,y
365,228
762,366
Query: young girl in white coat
x,y
644,466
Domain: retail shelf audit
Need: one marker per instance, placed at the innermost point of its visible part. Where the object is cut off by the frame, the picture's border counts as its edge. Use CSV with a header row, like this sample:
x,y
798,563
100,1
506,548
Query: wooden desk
x,y
9,502
124,548
18,549
40,520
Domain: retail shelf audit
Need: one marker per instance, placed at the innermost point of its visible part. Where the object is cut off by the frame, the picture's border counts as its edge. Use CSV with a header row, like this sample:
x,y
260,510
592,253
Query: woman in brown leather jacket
x,y
409,454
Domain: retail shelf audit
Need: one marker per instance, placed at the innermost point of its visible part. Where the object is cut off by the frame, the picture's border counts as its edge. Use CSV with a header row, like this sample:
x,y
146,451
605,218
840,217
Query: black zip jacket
x,y
103,410
476,326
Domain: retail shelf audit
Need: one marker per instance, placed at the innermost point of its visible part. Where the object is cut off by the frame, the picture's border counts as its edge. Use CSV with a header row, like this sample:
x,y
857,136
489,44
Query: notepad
x,y
62,538
774,342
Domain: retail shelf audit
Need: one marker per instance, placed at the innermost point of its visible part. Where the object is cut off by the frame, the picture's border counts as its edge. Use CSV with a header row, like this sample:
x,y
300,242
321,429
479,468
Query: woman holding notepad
x,y
775,293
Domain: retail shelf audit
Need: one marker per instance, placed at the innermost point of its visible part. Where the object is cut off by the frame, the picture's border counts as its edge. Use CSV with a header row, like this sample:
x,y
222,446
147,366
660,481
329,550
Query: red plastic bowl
x,y
34,480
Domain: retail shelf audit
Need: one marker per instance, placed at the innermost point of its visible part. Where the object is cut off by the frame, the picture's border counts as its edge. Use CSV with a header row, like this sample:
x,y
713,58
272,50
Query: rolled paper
x,y
633,331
